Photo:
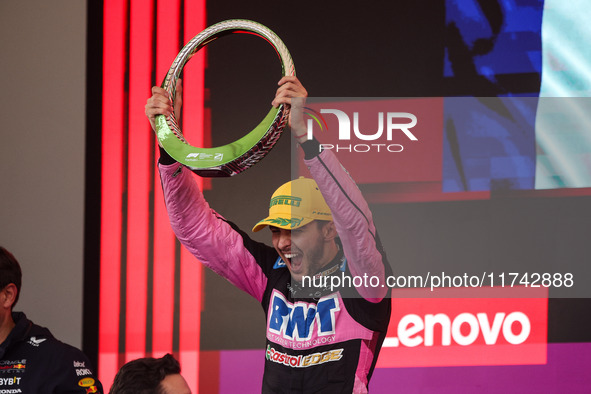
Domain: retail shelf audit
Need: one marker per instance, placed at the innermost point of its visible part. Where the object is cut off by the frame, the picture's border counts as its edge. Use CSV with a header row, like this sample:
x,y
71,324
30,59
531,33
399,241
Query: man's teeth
x,y
291,255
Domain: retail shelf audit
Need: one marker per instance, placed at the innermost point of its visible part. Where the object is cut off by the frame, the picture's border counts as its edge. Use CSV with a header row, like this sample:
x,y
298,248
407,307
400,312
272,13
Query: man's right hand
x,y
161,104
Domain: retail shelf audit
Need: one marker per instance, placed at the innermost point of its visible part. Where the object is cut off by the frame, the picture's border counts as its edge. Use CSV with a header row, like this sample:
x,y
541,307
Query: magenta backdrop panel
x,y
568,371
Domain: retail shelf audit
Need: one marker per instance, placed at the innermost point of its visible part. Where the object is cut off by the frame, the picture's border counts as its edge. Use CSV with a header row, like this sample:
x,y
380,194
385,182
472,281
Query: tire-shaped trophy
x,y
235,157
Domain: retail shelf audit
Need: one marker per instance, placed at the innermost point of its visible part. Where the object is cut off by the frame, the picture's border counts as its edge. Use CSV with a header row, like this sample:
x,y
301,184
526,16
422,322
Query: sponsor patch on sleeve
x,y
86,382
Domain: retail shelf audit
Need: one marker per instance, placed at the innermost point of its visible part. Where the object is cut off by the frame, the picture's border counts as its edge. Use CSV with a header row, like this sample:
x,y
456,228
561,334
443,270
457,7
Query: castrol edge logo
x,y
462,330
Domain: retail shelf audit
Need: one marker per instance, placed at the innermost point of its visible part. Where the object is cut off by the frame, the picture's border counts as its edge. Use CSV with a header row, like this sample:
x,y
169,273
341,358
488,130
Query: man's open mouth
x,y
295,260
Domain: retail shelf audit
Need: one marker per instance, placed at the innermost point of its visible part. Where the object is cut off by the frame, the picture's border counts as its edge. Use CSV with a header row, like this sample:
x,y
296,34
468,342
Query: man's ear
x,y
329,231
8,296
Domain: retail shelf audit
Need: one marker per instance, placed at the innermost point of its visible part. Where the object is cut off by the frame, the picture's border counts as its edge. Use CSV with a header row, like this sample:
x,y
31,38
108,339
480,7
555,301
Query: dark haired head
x,y
144,375
10,272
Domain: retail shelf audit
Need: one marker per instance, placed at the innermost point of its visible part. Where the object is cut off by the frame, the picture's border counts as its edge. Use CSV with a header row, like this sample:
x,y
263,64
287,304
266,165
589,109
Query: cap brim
x,y
284,223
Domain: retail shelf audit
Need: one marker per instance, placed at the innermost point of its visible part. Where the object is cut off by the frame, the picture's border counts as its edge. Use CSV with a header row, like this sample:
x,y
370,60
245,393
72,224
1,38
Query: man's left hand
x,y
290,87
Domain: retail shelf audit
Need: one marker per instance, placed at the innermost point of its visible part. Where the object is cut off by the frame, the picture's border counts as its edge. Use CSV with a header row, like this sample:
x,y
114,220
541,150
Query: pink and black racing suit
x,y
325,340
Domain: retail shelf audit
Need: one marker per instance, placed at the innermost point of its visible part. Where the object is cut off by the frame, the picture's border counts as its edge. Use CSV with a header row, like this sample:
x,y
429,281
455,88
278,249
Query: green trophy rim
x,y
201,158
237,156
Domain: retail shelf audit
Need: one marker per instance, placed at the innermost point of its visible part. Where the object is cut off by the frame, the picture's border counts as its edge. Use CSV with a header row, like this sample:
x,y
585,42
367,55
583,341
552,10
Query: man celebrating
x,y
319,339
31,359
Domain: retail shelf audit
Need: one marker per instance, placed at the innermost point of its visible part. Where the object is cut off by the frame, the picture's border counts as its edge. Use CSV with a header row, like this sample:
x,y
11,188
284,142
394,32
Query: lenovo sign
x,y
466,331
410,327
